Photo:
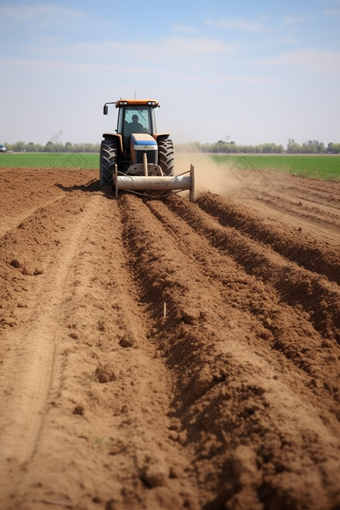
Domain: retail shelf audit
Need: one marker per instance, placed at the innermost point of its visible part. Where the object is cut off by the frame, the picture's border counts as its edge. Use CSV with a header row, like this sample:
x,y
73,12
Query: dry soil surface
x,y
169,355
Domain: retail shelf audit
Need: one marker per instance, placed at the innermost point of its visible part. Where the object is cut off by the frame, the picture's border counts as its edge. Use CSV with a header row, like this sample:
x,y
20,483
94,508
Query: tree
x,y
31,147
48,147
293,147
19,146
320,148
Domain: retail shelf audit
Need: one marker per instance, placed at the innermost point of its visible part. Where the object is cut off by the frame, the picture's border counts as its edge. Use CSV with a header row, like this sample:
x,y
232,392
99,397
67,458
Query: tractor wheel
x,y
166,156
108,159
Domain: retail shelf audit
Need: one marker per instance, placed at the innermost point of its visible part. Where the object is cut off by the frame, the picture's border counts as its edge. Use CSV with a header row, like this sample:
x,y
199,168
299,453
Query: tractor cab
x,y
135,116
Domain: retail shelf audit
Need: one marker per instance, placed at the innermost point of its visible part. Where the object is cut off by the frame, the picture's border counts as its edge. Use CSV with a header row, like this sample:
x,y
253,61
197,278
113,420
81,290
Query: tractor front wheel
x,y
166,156
108,159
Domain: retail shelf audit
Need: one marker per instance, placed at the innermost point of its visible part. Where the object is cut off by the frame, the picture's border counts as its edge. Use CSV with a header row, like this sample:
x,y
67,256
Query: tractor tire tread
x,y
108,159
166,156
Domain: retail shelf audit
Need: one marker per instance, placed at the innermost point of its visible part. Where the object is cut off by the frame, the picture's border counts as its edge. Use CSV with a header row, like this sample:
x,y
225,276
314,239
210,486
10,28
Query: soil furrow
x,y
296,286
212,407
263,308
294,245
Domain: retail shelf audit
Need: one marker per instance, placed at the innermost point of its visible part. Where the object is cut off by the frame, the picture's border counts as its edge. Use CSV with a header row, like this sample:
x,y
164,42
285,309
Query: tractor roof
x,y
137,102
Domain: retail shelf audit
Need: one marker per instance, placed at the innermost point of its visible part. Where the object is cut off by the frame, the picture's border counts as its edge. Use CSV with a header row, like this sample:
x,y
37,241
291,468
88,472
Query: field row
x,y
50,160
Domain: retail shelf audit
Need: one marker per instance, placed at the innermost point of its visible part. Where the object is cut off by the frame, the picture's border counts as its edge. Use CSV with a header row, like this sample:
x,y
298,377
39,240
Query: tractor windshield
x,y
137,120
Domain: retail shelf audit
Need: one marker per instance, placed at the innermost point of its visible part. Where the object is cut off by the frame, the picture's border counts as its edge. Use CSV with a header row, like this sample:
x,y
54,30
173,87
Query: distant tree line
x,y
229,147
221,146
310,147
52,147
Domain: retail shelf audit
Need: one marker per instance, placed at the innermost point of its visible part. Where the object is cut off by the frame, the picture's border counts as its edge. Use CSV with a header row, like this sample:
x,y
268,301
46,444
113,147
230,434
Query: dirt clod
x,y
106,373
128,340
203,381
155,475
15,263
79,409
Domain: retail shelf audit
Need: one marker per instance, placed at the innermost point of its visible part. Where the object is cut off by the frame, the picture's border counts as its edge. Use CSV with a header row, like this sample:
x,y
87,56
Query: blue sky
x,y
252,71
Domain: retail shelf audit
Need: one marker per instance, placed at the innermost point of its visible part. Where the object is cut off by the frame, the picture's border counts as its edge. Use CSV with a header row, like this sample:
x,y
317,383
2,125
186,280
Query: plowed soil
x,y
168,354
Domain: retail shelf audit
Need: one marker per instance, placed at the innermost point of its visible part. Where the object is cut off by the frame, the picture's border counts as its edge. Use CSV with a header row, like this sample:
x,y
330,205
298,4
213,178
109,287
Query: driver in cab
x,y
135,126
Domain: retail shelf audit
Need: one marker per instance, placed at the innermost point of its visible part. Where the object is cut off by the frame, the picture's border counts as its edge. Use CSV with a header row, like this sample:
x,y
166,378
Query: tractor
x,y
138,159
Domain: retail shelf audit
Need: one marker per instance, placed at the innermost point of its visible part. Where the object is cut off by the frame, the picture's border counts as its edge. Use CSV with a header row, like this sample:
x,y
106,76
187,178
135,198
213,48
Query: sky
x,y
250,72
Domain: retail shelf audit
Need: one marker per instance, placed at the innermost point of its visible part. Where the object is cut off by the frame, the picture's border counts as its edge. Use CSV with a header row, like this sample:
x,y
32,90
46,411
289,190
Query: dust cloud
x,y
209,176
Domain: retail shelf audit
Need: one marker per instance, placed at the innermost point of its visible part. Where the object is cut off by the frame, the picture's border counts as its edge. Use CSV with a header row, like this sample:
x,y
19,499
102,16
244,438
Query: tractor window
x,y
137,120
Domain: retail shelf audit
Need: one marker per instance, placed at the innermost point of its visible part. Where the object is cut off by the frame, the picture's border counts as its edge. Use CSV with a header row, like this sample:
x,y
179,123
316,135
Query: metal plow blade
x,y
176,183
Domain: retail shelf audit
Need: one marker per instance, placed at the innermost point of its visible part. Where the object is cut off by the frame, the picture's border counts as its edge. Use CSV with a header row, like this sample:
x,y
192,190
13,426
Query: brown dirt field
x,y
169,355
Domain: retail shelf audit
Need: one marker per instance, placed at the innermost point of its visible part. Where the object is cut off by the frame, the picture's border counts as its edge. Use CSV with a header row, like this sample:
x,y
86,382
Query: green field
x,y
49,160
316,167
320,167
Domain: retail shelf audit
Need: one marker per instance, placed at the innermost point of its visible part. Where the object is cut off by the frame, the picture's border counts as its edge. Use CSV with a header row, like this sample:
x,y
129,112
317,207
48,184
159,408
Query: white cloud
x,y
310,61
195,46
332,12
186,29
240,24
227,78
57,65
188,74
296,19
170,48
42,10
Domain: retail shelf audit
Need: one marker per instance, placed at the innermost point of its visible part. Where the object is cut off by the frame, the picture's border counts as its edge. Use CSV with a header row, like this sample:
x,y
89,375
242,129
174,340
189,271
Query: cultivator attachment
x,y
151,185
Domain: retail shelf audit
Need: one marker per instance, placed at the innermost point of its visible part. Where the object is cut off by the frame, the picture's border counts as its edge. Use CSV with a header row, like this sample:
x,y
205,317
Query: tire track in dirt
x,y
305,207
24,191
329,235
11,223
35,346
311,206
288,186
318,193
320,221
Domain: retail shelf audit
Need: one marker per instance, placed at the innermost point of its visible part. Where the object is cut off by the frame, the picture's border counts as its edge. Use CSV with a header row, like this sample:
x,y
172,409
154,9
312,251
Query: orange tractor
x,y
138,159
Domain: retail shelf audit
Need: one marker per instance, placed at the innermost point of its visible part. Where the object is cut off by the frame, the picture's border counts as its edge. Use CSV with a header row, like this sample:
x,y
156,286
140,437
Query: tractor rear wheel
x,y
108,159
166,156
